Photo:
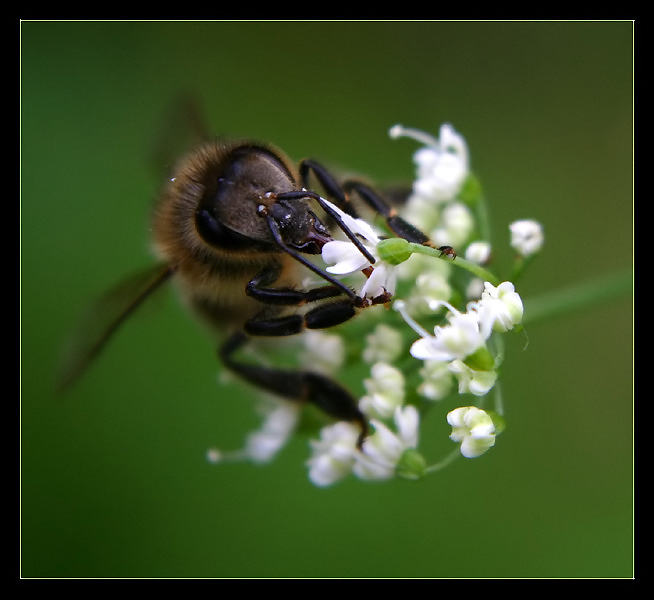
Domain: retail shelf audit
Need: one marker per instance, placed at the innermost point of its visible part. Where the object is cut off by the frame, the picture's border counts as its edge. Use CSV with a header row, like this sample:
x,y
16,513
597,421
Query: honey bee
x,y
235,227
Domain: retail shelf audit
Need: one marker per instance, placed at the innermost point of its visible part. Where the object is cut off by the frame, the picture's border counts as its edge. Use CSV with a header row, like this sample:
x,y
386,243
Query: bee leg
x,y
340,194
259,289
326,314
323,316
396,223
327,181
297,386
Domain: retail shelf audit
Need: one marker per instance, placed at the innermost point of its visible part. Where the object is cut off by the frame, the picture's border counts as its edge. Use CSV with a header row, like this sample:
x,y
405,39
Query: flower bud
x,y
412,465
474,428
394,250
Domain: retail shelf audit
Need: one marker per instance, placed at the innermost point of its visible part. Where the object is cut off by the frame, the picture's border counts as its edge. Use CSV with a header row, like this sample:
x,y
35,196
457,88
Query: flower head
x,y
474,428
460,338
436,380
323,352
478,252
383,450
385,391
460,347
455,225
333,454
499,308
526,236
262,445
384,344
442,164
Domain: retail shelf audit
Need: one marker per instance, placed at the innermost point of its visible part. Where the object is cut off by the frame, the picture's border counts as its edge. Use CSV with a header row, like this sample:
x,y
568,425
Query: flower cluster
x,y
442,341
461,344
457,349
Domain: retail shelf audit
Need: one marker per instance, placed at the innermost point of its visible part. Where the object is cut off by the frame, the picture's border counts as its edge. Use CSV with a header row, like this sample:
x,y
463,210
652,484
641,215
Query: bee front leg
x,y
328,182
297,386
341,195
396,224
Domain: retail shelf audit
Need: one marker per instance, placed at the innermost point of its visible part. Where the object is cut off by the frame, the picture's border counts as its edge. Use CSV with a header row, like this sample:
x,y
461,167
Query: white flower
x,y
323,352
471,381
280,419
345,257
429,284
526,236
472,427
475,288
385,390
499,307
384,448
478,252
429,292
455,226
439,174
423,210
384,344
436,380
459,339
333,454
442,165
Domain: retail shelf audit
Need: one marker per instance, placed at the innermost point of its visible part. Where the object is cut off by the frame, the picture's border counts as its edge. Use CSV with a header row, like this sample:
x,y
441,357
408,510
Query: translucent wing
x,y
104,318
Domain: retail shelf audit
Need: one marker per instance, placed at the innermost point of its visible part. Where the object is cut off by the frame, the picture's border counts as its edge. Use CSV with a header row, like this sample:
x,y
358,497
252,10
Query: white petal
x,y
407,420
344,256
426,348
365,229
355,225
382,279
456,417
472,447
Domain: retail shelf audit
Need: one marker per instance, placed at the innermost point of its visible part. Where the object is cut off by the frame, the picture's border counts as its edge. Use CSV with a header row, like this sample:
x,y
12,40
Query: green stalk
x,y
462,263
578,297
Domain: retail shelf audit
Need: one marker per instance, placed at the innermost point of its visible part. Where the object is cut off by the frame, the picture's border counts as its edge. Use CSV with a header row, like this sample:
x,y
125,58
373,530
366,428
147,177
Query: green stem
x,y
450,458
471,267
577,297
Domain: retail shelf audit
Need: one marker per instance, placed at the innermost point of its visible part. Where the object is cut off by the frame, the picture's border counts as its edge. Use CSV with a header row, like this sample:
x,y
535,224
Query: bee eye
x,y
218,235
208,227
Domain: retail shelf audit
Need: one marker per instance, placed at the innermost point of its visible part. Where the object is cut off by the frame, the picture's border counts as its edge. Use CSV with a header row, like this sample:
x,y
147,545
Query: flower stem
x,y
471,267
450,458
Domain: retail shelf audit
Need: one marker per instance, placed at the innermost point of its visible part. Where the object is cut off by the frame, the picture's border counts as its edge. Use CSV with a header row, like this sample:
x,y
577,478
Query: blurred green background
x,y
114,481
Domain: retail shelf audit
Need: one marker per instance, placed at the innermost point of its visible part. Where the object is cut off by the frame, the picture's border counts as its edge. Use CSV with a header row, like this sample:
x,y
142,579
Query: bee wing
x,y
183,126
103,319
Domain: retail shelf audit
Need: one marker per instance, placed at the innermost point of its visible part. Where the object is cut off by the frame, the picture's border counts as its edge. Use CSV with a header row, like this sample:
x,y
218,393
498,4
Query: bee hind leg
x,y
297,386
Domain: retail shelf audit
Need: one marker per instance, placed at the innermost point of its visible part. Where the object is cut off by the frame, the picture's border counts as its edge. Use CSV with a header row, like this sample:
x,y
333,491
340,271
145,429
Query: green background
x,y
114,481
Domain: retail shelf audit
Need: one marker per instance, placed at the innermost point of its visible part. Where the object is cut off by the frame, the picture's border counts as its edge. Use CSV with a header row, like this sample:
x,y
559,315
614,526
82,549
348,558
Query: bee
x,y
235,226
